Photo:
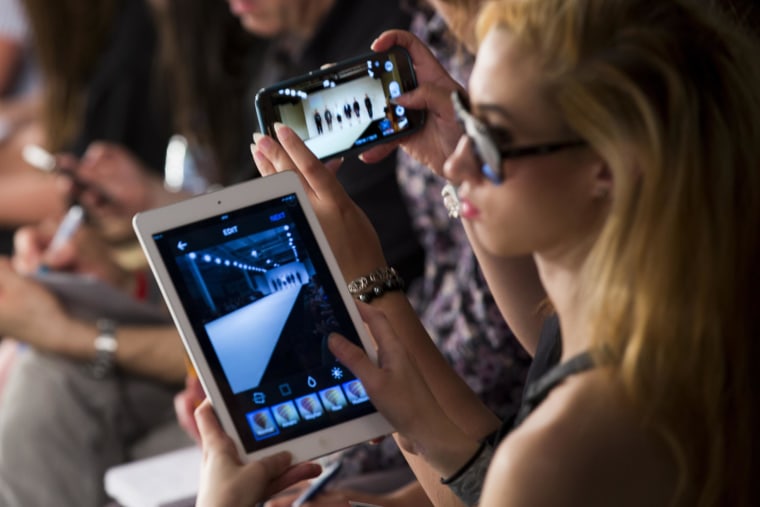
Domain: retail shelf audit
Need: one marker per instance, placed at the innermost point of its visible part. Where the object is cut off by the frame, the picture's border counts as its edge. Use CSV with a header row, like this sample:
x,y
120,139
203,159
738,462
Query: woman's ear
x,y
602,185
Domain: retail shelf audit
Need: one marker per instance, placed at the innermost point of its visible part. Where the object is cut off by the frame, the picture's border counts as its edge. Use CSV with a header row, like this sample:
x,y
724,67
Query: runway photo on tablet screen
x,y
264,312
245,339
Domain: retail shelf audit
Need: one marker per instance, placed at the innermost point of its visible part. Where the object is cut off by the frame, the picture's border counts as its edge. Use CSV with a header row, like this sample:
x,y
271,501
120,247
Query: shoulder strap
x,y
540,389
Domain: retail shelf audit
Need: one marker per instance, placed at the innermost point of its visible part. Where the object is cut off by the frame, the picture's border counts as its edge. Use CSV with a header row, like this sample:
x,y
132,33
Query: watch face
x,y
105,345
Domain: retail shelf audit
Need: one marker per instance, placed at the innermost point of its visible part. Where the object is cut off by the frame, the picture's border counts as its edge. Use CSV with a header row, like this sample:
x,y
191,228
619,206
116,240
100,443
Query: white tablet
x,y
255,291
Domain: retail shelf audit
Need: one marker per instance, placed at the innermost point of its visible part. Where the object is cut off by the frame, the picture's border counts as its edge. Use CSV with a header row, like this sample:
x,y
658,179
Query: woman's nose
x,y
463,163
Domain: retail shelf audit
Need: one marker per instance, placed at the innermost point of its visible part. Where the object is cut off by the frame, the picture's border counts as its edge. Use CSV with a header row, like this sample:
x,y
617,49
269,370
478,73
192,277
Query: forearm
x,y
413,494
429,481
517,291
10,58
452,393
152,351
18,111
28,198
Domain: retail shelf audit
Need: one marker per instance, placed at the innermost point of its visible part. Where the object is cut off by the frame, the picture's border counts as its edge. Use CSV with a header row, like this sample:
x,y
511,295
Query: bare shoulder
x,y
584,445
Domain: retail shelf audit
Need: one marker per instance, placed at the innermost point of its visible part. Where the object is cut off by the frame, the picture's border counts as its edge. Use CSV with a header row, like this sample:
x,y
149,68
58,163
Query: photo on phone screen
x,y
347,107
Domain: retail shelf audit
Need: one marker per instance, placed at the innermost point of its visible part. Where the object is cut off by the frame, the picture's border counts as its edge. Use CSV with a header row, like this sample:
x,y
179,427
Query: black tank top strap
x,y
538,390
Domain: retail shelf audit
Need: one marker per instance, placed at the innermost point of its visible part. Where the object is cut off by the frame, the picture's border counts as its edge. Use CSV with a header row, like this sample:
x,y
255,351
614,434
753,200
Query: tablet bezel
x,y
146,224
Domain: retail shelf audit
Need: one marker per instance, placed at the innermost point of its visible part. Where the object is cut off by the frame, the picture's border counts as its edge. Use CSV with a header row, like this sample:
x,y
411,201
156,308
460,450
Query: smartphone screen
x,y
345,108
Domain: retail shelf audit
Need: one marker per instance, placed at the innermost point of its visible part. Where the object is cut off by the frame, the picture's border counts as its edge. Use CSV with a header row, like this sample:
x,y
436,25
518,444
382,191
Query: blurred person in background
x,y
26,195
71,409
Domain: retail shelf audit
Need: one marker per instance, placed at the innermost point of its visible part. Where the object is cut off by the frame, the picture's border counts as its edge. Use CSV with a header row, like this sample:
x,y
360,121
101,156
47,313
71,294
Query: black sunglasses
x,y
490,155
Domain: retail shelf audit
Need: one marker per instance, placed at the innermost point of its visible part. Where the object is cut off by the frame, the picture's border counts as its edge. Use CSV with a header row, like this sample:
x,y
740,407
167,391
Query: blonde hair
x,y
668,94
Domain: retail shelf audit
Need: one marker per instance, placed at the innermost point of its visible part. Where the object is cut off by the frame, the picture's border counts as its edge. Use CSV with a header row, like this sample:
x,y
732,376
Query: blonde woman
x,y
618,142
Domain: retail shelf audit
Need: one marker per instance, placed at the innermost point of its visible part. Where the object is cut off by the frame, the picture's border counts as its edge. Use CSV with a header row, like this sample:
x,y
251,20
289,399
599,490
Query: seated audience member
x,y
62,424
26,195
570,154
69,409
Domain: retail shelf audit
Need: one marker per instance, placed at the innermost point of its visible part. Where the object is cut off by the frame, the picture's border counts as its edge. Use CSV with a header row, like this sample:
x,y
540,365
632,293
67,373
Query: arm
x,y
31,314
411,495
358,252
514,283
27,195
10,57
357,249
154,351
517,291
434,445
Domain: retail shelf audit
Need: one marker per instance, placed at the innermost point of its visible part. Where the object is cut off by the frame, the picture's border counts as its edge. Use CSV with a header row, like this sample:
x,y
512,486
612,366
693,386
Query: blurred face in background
x,y
275,18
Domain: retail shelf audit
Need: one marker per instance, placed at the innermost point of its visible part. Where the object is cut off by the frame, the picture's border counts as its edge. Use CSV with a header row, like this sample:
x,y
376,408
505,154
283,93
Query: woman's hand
x,y
29,312
400,393
432,145
117,182
86,253
227,482
113,185
185,403
352,238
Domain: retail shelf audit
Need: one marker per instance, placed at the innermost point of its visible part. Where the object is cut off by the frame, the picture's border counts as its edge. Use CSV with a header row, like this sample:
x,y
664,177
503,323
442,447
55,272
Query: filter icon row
x,y
266,422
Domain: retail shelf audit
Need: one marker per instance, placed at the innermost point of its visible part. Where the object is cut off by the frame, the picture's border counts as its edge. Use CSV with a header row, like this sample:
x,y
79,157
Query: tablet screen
x,y
262,303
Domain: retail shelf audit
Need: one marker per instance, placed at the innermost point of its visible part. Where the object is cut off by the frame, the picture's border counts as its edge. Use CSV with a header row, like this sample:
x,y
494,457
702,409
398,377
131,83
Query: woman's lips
x,y
467,209
239,7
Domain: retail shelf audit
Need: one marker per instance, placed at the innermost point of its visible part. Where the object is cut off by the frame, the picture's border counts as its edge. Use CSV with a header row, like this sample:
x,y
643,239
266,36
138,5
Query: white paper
x,y
157,481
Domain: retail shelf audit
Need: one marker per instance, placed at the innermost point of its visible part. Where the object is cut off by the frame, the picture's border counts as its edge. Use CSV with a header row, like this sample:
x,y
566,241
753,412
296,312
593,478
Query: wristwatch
x,y
105,348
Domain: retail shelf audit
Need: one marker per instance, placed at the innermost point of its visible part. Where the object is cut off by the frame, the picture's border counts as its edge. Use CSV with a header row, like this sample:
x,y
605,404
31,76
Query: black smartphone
x,y
345,108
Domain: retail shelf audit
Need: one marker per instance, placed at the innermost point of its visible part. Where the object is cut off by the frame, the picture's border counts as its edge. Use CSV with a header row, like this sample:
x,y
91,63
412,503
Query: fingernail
x,y
281,129
257,137
335,342
264,144
256,153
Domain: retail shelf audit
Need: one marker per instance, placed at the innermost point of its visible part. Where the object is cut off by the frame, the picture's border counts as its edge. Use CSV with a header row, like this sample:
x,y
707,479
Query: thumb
x,y
378,153
211,432
435,99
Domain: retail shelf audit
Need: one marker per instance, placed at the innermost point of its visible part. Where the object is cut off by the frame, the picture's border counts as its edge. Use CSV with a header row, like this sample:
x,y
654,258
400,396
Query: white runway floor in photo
x,y
245,339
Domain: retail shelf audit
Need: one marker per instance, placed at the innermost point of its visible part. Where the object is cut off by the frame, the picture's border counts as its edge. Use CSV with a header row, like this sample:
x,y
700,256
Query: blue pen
x,y
318,484
66,230
68,226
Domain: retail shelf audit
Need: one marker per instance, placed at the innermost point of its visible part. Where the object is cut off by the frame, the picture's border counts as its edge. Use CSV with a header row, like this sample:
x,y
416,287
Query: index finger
x,y
426,65
390,38
319,178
